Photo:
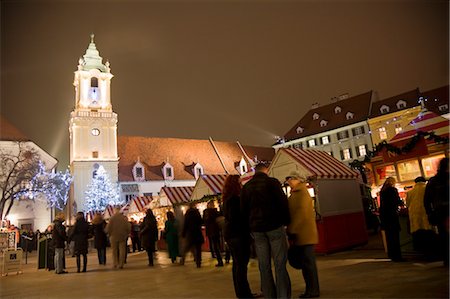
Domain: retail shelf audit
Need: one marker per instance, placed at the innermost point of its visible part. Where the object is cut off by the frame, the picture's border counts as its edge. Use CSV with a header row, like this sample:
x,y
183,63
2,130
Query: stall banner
x,y
420,149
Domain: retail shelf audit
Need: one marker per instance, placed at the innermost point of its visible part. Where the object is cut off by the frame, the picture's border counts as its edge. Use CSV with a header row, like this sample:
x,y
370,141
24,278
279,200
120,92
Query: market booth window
x,y
430,165
408,170
385,171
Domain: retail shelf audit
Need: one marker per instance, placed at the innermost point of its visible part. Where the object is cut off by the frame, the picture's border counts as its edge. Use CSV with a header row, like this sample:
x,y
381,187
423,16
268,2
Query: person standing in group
x,y
265,208
118,230
421,230
80,237
135,232
59,238
171,235
389,204
192,235
100,237
210,215
302,231
436,206
236,235
149,235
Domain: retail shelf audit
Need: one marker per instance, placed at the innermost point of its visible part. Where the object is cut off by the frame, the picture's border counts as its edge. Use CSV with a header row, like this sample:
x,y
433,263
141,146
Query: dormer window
x,y
401,104
323,123
242,166
337,110
198,170
138,171
167,171
300,130
384,109
315,116
349,115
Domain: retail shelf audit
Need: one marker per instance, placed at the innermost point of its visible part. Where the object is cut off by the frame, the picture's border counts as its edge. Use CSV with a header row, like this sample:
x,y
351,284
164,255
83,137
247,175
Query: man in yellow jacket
x,y
421,230
303,230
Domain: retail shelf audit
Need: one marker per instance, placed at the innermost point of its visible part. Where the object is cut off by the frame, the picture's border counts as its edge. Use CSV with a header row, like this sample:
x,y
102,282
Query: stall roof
x,y
178,194
426,121
321,164
138,204
109,210
214,181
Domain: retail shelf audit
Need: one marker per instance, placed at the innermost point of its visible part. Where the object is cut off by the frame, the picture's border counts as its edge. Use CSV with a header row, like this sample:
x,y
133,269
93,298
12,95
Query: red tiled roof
x,y
182,154
435,98
358,105
410,97
9,132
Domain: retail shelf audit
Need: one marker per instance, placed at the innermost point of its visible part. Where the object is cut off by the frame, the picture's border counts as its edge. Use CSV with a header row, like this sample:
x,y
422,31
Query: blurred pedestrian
x,y
303,231
210,215
59,238
100,237
436,206
135,232
389,205
265,209
192,235
149,235
118,230
171,236
80,236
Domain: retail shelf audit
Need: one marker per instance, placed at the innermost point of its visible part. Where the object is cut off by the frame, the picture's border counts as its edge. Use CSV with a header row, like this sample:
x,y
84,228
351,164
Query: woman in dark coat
x,y
171,234
149,235
389,204
100,238
80,238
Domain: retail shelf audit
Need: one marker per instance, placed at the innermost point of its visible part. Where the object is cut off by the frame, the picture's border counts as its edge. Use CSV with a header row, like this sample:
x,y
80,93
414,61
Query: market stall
x,y
137,207
109,210
336,192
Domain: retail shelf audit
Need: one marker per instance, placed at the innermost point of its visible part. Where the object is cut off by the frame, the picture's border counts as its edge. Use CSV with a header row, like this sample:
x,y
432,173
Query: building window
x,y
325,140
298,145
311,143
168,171
337,110
323,123
384,109
95,154
94,82
385,171
349,115
382,132
346,154
342,135
315,116
299,130
430,165
358,131
398,128
139,172
443,108
401,104
362,150
408,170
198,170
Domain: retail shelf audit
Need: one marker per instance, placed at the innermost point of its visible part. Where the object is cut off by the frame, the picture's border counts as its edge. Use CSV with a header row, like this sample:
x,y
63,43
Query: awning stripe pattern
x,y
215,182
178,194
109,210
425,122
321,164
141,202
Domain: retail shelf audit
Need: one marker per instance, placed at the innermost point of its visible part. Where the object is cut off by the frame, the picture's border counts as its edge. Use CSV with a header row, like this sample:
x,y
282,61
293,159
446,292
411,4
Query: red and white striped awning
x,y
178,194
109,210
426,121
138,204
215,182
320,164
91,214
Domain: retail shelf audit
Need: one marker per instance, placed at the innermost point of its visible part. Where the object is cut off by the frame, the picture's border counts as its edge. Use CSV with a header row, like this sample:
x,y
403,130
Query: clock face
x,y
95,132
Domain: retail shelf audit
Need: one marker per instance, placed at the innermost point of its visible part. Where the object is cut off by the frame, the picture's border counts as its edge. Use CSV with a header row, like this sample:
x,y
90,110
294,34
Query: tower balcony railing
x,y
93,114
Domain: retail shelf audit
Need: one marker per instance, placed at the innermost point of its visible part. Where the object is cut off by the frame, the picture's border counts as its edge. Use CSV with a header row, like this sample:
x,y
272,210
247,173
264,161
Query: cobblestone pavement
x,y
359,273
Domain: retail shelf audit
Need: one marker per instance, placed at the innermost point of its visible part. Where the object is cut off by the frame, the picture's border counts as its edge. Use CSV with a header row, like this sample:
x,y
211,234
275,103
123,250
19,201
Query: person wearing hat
x,y
302,230
59,238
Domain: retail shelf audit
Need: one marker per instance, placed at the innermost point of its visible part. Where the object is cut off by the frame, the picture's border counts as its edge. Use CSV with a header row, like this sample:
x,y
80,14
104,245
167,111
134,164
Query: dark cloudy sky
x,y
233,70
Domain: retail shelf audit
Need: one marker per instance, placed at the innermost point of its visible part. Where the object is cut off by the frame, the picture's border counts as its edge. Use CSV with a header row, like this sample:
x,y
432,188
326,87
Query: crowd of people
x,y
257,215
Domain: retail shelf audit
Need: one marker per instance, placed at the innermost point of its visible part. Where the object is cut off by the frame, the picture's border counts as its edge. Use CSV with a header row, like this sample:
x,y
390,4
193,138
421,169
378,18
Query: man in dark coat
x,y
264,206
192,234
210,215
436,205
100,238
149,235
59,238
80,237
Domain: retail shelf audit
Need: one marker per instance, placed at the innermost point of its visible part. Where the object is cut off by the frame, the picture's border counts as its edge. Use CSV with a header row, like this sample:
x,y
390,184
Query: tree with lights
x,y
23,177
102,192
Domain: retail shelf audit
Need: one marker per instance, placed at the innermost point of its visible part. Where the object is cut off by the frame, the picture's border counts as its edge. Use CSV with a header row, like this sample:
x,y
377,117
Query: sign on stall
x,y
12,261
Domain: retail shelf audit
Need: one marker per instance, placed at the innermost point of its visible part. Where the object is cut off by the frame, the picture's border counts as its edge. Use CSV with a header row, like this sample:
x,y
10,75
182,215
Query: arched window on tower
x,y
94,82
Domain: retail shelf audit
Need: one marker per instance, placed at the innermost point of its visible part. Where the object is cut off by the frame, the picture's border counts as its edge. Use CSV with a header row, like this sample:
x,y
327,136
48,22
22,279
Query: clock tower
x,y
92,126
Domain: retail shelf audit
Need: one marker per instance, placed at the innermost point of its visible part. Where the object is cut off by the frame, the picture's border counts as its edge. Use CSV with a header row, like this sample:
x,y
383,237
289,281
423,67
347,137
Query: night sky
x,y
232,70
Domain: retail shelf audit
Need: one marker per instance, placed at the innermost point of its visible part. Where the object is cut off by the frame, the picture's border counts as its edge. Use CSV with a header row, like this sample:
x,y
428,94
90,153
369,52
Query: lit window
x,y
398,128
382,132
325,140
346,154
430,165
311,142
362,150
408,170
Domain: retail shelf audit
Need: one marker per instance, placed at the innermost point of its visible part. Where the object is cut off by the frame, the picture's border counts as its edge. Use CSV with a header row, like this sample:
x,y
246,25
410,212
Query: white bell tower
x,y
92,126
